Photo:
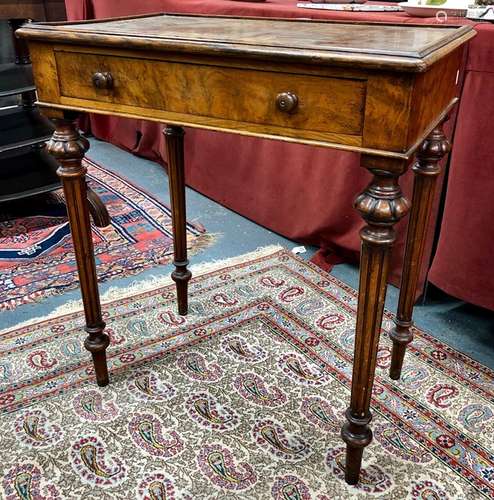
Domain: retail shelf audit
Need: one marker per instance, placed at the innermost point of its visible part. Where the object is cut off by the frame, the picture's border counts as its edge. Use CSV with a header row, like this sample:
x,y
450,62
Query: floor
x,y
463,326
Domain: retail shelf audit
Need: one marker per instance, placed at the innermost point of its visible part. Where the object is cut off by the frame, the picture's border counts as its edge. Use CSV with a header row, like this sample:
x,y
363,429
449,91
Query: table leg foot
x,y
357,435
401,335
181,276
96,343
427,170
381,206
174,137
68,147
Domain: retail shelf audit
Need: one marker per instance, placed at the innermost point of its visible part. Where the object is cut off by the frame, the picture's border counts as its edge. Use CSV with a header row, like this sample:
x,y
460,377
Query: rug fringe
x,y
154,282
200,243
148,284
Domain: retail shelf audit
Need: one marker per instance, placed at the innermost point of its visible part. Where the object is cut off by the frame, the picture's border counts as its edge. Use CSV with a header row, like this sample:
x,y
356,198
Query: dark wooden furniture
x,y
381,90
25,169
41,10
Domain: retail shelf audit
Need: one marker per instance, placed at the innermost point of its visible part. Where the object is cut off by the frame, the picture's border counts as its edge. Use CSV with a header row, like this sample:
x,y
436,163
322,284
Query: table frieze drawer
x,y
319,105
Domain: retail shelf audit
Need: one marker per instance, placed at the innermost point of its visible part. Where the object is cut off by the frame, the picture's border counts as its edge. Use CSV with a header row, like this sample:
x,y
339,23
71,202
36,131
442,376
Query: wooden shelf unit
x,y
25,170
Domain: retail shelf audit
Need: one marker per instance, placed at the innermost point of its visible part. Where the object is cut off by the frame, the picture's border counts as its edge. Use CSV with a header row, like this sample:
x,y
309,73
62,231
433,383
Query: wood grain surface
x,y
241,95
403,47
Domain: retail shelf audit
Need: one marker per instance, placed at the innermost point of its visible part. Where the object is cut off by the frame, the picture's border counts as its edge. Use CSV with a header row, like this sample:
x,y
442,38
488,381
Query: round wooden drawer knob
x,y
103,80
287,102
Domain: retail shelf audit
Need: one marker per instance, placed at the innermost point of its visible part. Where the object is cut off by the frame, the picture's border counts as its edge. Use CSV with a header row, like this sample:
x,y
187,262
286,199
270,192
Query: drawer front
x,y
285,100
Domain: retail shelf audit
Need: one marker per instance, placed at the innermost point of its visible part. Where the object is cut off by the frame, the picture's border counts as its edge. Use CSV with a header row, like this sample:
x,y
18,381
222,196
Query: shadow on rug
x,y
36,253
243,398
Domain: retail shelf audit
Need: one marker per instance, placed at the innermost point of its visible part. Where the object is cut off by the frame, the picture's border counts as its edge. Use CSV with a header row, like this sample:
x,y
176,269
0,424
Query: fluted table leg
x,y
68,147
381,206
427,170
174,136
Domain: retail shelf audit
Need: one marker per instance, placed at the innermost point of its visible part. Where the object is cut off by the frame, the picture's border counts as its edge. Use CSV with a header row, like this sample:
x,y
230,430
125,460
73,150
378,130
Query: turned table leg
x,y
427,170
174,136
68,147
381,206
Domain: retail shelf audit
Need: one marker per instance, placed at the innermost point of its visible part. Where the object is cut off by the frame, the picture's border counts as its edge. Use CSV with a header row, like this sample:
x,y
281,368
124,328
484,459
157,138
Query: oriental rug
x,y
243,398
36,253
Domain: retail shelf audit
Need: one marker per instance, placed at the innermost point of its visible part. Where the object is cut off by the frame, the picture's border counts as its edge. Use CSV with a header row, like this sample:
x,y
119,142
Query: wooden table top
x,y
397,47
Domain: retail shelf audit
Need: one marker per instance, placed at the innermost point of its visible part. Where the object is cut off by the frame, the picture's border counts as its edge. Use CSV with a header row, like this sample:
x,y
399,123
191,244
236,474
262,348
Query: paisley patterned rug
x,y
36,252
243,398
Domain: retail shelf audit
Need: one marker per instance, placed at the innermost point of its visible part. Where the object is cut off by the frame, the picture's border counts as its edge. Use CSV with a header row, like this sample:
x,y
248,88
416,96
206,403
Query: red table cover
x,y
306,193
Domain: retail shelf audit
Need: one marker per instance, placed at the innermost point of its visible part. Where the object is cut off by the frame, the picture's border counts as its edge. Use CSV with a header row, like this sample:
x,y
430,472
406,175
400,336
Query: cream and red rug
x,y
244,398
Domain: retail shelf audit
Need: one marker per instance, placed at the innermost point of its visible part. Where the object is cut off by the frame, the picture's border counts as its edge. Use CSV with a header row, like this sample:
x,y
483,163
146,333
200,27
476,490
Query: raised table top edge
x,y
338,56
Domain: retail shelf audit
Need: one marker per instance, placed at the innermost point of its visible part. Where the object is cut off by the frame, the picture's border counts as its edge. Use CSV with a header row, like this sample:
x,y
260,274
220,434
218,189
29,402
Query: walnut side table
x,y
377,89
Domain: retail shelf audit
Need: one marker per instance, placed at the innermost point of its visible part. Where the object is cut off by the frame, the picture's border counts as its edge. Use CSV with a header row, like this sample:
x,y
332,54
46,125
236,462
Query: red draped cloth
x,y
306,193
